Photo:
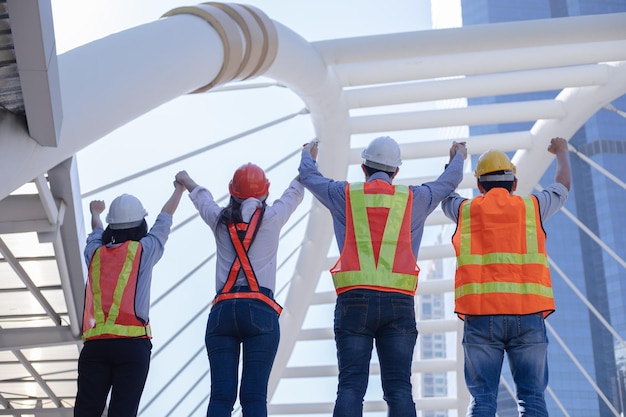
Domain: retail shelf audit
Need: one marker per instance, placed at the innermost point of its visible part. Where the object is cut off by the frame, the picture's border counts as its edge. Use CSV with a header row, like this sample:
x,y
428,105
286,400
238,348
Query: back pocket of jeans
x,y
262,316
351,314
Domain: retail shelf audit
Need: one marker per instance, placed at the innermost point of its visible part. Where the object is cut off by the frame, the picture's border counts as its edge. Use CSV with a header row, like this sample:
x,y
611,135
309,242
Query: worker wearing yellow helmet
x,y
492,162
503,289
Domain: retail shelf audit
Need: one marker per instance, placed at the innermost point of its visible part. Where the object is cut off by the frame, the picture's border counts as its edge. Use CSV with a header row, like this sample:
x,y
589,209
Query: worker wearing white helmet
x,y
378,229
116,325
383,153
503,289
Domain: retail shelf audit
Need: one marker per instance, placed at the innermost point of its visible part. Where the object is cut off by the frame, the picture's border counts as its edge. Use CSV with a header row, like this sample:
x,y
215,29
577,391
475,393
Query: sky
x,y
192,122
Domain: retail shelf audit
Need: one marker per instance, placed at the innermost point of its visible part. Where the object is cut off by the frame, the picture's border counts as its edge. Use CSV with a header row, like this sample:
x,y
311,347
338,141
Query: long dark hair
x,y
232,212
122,235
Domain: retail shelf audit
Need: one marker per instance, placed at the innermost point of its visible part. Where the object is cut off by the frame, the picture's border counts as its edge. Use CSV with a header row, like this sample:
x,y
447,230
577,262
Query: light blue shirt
x,y
550,199
153,245
426,197
262,252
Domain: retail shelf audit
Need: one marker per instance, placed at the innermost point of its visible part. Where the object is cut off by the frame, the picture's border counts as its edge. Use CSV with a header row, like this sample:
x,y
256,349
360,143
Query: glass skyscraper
x,y
582,351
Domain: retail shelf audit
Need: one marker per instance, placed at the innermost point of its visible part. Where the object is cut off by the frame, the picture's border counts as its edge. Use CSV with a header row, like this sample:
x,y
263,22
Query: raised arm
x,y
184,178
96,207
311,147
171,204
563,175
458,148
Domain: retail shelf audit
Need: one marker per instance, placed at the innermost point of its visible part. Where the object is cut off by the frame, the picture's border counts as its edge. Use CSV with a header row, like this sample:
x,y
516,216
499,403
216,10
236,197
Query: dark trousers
x,y
365,317
116,365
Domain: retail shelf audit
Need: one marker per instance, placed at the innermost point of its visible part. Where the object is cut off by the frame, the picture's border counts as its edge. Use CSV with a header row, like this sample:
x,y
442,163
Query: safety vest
x,y
110,294
377,252
241,236
502,264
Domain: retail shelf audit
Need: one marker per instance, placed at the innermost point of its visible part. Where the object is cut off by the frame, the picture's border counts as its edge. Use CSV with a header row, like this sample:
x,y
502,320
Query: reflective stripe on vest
x,y
383,262
515,281
109,312
242,261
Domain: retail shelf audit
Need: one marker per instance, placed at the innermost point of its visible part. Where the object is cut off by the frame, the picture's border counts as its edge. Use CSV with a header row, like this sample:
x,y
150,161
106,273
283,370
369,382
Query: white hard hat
x,y
382,153
125,212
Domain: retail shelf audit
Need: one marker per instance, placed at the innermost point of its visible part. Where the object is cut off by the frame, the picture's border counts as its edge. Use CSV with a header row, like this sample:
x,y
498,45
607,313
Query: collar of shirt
x,y
379,176
248,207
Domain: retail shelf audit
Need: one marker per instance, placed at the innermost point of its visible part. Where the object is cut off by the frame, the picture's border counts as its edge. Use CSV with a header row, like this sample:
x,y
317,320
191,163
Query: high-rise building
x,y
433,346
582,351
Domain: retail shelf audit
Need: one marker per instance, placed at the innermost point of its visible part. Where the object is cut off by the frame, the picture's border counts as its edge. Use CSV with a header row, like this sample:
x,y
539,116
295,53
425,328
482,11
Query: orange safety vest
x,y
110,294
242,243
502,264
377,252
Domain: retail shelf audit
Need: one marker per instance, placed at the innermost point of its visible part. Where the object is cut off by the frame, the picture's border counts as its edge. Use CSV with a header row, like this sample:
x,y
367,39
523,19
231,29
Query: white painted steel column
x,y
510,141
478,86
473,115
421,67
495,36
300,67
580,104
111,81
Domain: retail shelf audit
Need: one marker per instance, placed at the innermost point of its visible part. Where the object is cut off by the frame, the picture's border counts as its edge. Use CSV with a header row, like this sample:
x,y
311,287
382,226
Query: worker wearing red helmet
x,y
503,290
378,229
244,311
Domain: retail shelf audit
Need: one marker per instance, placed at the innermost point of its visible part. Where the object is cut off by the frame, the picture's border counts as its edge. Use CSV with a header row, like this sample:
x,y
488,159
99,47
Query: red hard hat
x,y
249,181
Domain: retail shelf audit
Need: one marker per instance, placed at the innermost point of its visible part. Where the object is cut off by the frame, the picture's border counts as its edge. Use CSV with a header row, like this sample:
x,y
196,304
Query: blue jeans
x,y
362,316
119,365
233,323
524,340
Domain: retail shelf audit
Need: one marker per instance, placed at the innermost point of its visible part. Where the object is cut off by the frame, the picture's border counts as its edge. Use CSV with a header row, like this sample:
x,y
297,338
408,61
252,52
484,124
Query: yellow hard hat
x,y
493,161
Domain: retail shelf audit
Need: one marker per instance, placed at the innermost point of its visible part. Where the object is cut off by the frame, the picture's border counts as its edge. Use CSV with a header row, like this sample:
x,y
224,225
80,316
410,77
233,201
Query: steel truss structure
x,y
415,82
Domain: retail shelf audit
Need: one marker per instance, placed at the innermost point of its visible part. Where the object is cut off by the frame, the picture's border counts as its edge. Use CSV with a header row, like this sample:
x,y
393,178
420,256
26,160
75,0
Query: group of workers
x,y
502,290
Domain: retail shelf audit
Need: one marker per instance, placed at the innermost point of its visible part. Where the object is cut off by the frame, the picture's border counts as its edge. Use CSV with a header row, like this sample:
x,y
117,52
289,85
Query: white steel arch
x,y
350,88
